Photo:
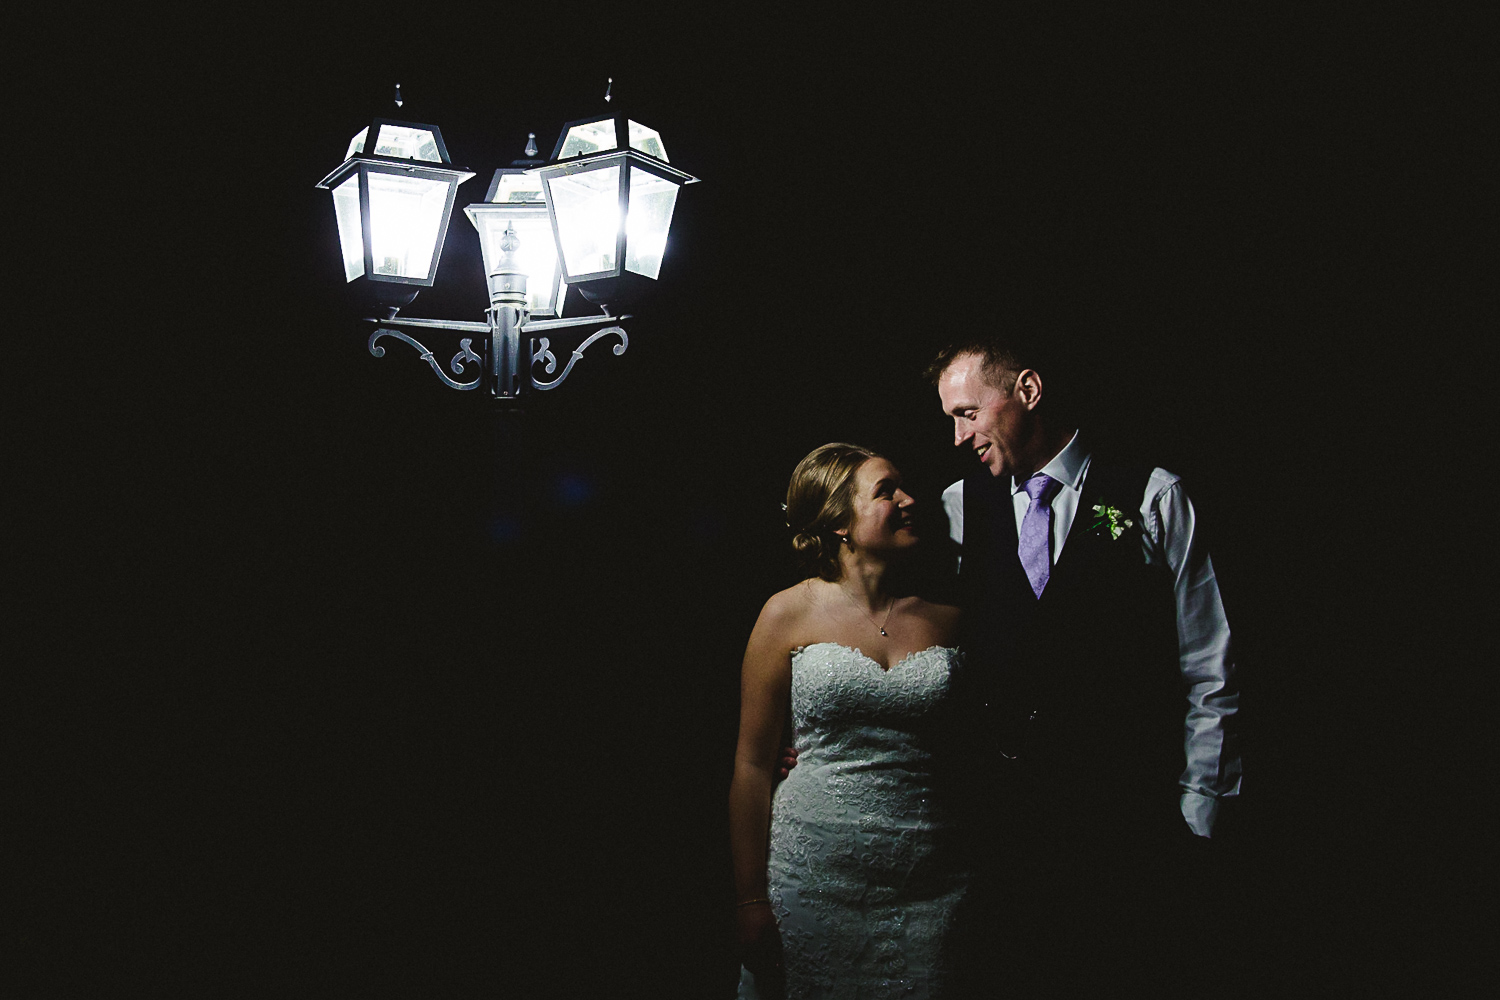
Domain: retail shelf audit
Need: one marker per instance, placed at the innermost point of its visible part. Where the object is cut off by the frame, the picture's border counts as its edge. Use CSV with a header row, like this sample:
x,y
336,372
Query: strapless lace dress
x,y
864,872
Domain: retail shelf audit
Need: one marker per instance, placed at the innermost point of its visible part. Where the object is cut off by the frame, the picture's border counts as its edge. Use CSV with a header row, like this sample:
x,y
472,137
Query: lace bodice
x,y
863,873
861,730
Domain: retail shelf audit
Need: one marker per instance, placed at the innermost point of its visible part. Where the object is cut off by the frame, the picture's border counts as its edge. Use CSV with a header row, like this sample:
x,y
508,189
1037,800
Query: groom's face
x,y
986,418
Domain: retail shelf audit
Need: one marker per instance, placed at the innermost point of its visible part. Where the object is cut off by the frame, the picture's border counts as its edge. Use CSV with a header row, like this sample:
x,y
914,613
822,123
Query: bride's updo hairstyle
x,y
819,501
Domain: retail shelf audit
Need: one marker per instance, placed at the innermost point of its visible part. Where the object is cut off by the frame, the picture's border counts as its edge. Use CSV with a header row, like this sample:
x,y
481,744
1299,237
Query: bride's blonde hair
x,y
819,501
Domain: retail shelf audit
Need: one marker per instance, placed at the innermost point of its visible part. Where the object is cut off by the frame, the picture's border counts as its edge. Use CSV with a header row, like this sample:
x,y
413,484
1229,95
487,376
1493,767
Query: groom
x,y
1100,738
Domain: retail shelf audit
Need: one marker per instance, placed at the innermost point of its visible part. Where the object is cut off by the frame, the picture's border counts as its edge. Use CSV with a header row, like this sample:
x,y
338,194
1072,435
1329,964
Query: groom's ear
x,y
1028,387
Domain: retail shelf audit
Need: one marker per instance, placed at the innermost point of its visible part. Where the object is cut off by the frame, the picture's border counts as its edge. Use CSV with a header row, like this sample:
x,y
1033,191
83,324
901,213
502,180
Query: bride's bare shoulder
x,y
791,606
783,621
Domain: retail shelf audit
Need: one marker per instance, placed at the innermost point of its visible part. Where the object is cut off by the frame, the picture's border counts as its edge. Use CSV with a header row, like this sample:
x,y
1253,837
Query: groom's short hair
x,y
1004,359
1007,355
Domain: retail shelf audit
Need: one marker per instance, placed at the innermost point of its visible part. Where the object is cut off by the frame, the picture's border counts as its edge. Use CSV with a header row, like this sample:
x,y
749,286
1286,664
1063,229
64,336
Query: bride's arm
x,y
765,686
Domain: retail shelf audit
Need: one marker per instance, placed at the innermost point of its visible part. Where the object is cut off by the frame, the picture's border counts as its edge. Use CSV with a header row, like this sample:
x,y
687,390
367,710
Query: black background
x,y
338,683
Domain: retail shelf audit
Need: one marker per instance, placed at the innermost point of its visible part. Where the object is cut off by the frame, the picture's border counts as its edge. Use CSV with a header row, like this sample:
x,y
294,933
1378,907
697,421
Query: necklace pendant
x,y
882,631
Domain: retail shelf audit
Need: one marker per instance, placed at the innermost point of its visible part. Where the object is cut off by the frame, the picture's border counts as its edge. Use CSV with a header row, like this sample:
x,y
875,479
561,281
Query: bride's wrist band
x,y
752,902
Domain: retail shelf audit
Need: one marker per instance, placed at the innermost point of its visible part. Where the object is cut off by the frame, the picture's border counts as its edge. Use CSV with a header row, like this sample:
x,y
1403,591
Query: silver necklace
x,y
889,608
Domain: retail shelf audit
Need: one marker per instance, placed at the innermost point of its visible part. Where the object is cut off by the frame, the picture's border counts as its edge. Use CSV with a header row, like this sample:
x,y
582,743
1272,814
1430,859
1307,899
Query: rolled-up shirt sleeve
x,y
1205,652
953,506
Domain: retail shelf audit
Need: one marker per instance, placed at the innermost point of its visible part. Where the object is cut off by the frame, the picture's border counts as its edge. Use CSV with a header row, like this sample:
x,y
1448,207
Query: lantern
x,y
393,195
610,193
515,201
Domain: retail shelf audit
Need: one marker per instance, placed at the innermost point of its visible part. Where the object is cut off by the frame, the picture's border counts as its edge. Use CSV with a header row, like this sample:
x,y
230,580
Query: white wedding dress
x,y
863,873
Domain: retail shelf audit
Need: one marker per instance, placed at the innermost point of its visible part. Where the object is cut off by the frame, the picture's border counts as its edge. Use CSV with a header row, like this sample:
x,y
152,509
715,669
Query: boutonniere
x,y
1111,518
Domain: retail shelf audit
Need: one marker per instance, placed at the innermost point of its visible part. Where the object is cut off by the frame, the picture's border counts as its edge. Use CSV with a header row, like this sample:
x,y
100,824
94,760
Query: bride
x,y
852,893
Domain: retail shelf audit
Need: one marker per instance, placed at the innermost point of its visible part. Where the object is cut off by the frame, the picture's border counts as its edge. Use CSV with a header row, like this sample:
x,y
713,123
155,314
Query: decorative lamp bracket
x,y
541,347
464,356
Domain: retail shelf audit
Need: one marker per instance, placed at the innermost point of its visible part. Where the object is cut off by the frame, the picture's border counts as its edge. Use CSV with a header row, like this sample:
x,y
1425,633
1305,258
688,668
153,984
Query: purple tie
x,y
1035,546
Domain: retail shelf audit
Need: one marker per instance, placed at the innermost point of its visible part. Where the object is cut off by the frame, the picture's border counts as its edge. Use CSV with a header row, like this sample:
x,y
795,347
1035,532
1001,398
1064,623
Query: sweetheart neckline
x,y
859,652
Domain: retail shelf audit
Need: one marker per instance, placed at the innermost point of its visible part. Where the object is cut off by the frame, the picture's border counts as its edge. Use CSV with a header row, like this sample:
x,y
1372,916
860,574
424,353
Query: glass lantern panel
x,y
357,144
406,216
407,143
519,187
346,207
591,138
536,255
647,140
646,225
587,205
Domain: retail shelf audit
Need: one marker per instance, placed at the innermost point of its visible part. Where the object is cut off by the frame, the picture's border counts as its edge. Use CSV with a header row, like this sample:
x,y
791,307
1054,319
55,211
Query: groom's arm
x,y
1205,653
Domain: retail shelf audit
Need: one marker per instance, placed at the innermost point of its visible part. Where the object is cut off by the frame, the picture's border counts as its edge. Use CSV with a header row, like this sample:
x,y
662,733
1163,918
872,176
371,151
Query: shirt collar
x,y
1067,466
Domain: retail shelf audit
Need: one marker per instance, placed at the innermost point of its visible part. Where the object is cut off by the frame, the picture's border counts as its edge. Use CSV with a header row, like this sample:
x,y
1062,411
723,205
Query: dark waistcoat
x,y
1074,702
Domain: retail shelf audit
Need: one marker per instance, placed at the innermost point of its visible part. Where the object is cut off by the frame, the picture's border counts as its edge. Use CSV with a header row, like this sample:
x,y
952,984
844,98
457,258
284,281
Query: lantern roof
x,y
515,185
604,134
400,140
412,145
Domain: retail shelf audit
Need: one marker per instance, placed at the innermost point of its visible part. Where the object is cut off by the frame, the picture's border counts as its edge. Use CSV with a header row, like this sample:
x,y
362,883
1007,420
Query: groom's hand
x,y
788,761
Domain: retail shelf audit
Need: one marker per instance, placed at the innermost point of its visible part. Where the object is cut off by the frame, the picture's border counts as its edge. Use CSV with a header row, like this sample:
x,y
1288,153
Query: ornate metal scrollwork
x,y
543,352
465,355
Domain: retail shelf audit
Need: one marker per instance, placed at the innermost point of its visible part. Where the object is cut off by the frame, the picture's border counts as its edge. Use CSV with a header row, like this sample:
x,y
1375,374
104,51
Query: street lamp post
x,y
594,217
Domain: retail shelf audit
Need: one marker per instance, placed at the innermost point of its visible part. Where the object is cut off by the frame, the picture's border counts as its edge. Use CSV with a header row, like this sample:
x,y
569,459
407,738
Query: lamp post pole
x,y
507,313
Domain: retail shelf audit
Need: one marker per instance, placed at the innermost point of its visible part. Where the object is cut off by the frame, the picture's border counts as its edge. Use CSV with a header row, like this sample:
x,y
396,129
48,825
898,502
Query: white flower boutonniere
x,y
1112,518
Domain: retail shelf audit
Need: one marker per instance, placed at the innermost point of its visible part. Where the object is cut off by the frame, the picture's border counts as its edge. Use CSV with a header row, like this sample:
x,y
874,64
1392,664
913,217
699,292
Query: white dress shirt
x,y
1205,650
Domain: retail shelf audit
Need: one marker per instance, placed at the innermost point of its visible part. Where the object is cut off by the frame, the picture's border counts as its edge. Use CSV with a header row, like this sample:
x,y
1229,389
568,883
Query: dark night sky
x,y
351,684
